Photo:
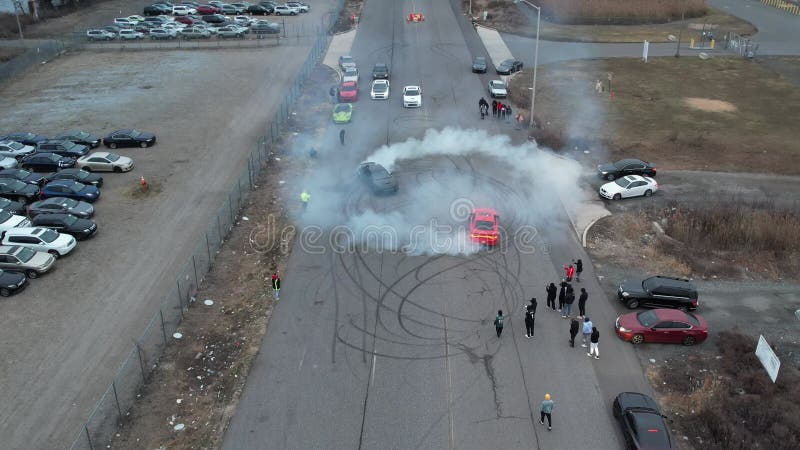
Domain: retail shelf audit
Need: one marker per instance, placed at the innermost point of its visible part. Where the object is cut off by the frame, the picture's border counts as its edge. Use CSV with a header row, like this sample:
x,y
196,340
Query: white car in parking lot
x,y
100,35
163,33
497,89
286,10
183,10
15,149
123,22
412,97
128,35
40,239
8,162
9,221
104,162
380,90
629,186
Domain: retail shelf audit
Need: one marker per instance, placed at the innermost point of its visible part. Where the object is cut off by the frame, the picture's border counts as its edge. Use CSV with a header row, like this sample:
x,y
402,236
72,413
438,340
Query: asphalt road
x,y
374,349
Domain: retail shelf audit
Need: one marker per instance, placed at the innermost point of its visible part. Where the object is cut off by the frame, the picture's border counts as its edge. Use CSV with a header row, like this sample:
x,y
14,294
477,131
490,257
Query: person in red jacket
x,y
569,271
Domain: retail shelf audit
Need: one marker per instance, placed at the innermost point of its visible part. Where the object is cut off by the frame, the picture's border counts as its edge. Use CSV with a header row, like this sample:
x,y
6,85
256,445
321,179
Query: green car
x,y
342,112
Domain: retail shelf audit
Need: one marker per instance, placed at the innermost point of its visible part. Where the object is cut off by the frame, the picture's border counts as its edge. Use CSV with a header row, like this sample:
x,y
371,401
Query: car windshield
x,y
16,185
349,87
647,318
498,85
622,163
15,146
484,225
379,87
480,60
347,60
4,215
48,235
622,182
350,72
412,91
25,254
341,108
692,318
112,157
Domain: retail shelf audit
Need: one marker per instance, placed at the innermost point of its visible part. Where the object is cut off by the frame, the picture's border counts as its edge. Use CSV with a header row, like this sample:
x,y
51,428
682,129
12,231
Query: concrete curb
x,y
586,230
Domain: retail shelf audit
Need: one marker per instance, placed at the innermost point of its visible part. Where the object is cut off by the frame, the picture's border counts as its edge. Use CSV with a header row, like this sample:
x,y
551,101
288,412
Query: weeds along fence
x,y
98,430
31,54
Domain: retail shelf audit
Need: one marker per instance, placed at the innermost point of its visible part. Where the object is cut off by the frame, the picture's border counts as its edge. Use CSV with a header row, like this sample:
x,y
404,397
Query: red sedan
x,y
668,326
348,91
483,227
184,20
207,9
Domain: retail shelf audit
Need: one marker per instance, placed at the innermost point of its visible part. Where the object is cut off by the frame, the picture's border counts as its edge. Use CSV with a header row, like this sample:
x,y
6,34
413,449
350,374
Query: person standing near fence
x,y
276,286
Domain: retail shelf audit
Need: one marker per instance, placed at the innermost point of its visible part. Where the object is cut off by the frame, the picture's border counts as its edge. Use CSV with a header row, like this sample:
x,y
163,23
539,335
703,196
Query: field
x,y
722,114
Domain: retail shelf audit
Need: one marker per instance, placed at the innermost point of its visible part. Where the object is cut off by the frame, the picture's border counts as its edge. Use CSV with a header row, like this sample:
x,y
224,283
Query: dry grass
x,y
620,11
728,402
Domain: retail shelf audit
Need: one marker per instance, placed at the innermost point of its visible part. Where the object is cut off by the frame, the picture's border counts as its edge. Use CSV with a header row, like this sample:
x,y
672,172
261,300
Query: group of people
x,y
499,109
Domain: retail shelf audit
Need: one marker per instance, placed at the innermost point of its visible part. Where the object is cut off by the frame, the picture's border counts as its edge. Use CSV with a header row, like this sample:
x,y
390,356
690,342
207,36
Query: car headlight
x,y
624,330
87,230
625,294
12,286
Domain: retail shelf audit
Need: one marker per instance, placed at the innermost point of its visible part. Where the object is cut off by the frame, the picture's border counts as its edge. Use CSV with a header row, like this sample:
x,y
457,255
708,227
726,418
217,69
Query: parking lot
x,y
66,334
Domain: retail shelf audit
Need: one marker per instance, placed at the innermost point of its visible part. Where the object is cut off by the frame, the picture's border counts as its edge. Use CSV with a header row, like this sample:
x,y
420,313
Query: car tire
x,y
143,144
55,254
648,193
31,274
610,177
112,145
117,170
688,341
86,168
637,339
632,304
5,292
616,197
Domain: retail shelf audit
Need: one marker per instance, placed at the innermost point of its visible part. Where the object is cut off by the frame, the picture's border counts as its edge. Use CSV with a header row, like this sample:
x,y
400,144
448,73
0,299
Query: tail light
x,y
694,303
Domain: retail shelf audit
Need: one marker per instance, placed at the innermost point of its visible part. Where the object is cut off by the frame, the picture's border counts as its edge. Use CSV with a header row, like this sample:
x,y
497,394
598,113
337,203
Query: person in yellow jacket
x,y
304,198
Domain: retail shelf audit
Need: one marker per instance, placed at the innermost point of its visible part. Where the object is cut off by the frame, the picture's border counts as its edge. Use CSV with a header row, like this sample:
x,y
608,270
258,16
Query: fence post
x,y
208,249
163,327
196,280
250,170
88,436
141,360
230,207
219,227
180,297
116,398
239,200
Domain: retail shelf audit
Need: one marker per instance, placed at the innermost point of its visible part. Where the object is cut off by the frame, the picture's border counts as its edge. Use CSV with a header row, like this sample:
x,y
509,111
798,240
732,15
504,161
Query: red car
x,y
207,9
483,226
184,20
668,326
348,91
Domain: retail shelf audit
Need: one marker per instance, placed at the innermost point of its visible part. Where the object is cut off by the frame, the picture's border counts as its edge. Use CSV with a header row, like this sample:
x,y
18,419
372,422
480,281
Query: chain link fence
x,y
99,429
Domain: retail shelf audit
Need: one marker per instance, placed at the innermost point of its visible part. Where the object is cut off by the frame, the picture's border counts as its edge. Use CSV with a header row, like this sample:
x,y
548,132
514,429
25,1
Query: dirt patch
x,y
7,54
648,117
725,400
710,105
349,16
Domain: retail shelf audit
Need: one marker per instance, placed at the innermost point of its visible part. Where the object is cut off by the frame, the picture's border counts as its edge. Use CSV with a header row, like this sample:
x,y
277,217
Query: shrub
x,y
620,11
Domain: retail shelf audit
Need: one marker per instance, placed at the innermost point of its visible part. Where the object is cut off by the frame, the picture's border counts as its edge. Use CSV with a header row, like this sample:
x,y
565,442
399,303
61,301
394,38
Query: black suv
x,y
63,148
380,70
659,292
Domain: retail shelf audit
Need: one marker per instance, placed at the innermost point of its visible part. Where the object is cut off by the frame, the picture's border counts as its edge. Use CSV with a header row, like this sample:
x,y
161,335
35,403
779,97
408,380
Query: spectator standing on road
x,y
562,295
582,302
574,326
529,318
547,411
593,340
276,286
498,322
552,291
494,108
341,137
532,306
578,270
569,271
587,331
569,299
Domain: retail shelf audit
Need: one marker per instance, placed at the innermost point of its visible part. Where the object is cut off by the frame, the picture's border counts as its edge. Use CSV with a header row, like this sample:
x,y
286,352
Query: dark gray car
x,y
379,180
61,205
479,64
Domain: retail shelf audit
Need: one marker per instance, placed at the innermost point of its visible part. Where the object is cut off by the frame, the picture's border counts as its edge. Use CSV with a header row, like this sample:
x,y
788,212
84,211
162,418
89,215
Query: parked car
x,y
11,283
241,6
15,258
46,162
78,175
130,35
9,220
285,10
194,32
229,9
61,205
22,175
105,162
497,89
19,191
261,10
163,33
244,22
183,10
40,239
144,28
659,292
24,137
342,112
214,18
265,27
62,147
346,61
630,186
509,66
412,97
231,31
623,167
380,71
299,6
67,224
100,35
112,29
207,9
377,178
350,74
156,10
71,189
348,91
79,137
11,206
379,90
642,423
479,64
669,326
134,19
123,23
15,149
129,138
158,21
7,162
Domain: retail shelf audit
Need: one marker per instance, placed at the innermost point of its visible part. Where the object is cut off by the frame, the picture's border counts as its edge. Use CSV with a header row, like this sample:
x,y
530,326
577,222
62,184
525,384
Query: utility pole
x,y
17,11
535,57
680,30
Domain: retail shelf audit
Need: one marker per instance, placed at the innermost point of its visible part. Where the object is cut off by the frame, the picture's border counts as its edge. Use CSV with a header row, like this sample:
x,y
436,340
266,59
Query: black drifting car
x,y
377,178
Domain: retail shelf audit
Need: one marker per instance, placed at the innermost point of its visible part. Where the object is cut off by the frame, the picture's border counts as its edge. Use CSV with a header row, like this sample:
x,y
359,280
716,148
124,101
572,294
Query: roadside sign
x,y
768,358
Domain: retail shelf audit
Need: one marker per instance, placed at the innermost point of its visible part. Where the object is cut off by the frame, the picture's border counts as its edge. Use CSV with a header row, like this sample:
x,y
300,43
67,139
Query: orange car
x,y
483,227
348,92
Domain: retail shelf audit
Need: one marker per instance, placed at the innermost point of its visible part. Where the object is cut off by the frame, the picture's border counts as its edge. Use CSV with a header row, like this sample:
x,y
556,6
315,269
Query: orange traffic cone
x,y
142,183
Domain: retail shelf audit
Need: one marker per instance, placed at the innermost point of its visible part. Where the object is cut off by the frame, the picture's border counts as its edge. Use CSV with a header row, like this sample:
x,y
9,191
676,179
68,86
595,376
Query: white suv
x,y
286,10
100,35
125,34
15,149
40,239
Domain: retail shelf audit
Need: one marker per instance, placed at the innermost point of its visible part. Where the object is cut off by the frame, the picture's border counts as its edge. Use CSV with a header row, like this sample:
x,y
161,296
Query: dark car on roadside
x,y
22,175
380,71
12,207
260,10
265,27
46,162
214,18
479,64
377,178
62,147
71,189
659,292
19,191
156,10
74,174
129,138
642,423
624,167
66,223
79,137
61,205
24,137
509,66
11,283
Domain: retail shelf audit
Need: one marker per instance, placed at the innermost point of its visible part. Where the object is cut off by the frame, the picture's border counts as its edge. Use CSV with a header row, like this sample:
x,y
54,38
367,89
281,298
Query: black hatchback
x,y
17,190
380,71
379,180
74,174
47,162
66,223
624,167
641,421
11,283
509,66
129,138
22,175
479,64
12,207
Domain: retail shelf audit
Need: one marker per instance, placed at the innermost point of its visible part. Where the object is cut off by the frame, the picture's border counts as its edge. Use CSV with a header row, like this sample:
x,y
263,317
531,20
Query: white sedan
x,y
629,186
380,90
412,97
104,162
15,149
183,10
497,89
